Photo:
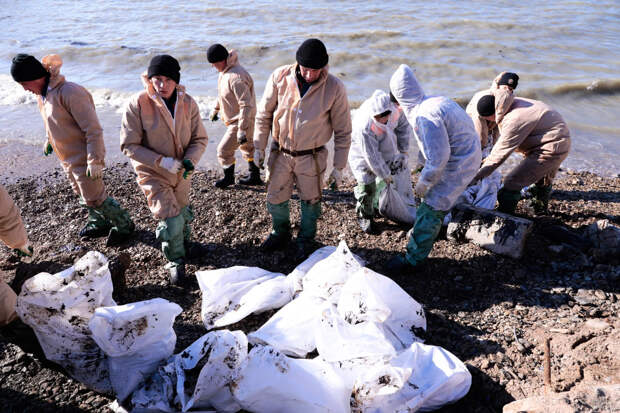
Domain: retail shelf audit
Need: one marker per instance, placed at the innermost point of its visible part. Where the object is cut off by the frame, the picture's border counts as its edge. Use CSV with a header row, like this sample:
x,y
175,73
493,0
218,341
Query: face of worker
x,y
219,66
490,118
309,75
34,86
382,119
506,87
163,85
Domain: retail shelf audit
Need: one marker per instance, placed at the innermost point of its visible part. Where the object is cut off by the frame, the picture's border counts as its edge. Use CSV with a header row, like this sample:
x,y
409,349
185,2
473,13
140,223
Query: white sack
x,y
58,308
270,382
136,337
157,393
370,296
231,294
291,329
297,275
421,378
396,201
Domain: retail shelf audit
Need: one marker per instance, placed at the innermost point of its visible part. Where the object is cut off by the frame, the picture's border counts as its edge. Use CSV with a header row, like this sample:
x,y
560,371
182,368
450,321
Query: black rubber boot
x,y
228,179
253,177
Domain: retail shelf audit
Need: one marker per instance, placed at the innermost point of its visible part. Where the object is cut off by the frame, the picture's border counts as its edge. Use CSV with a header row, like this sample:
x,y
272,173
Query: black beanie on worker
x,y
313,54
164,65
25,67
509,79
216,53
486,105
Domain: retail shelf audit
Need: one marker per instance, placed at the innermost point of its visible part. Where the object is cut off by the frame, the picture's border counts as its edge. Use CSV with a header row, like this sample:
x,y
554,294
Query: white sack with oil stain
x,y
137,337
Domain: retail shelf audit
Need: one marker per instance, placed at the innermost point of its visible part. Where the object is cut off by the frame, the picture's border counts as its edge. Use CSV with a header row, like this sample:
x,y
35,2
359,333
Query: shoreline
x,y
476,302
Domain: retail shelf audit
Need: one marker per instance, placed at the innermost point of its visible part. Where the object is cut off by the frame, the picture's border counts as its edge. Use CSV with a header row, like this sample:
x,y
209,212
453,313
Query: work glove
x,y
170,164
25,251
335,179
189,168
47,148
259,158
213,116
420,189
94,171
241,138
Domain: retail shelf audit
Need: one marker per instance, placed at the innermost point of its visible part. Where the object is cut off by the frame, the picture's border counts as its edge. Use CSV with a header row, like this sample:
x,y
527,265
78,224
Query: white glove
x,y
241,137
420,189
335,179
170,164
259,158
94,171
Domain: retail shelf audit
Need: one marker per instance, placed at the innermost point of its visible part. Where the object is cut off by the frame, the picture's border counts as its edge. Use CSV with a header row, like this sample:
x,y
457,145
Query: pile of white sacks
x,y
362,325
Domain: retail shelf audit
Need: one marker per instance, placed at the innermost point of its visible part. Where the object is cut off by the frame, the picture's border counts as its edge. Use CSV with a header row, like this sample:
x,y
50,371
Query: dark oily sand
x,y
492,312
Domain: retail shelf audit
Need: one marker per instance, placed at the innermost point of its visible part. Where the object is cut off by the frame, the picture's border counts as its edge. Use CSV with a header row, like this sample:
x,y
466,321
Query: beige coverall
x,y
539,132
299,124
236,104
74,132
149,133
484,128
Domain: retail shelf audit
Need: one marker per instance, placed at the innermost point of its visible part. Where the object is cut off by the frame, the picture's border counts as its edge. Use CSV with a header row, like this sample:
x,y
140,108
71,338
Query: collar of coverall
x,y
231,60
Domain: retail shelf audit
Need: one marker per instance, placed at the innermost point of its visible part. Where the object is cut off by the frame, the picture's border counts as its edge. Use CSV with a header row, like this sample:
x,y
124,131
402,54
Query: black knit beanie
x,y
216,53
510,79
313,54
486,105
25,68
165,65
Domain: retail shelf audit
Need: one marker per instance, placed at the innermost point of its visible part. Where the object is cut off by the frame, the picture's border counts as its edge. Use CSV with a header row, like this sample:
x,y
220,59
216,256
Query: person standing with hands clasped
x,y
302,107
163,135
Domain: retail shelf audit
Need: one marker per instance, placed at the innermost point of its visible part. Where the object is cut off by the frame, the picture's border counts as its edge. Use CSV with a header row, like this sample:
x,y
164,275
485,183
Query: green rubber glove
x,y
189,168
47,149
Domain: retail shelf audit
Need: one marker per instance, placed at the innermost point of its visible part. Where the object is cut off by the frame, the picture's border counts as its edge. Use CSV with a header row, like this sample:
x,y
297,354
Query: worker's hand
x,y
170,164
420,189
24,251
213,116
94,171
189,168
47,148
259,158
335,179
241,137
388,180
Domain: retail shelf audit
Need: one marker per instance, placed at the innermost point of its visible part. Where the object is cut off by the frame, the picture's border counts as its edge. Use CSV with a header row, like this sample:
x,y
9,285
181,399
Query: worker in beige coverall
x,y
75,135
541,135
502,89
236,103
163,135
303,105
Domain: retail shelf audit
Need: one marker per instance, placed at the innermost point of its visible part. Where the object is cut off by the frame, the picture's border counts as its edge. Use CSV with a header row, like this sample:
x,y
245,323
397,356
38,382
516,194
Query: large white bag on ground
x,y
291,329
421,378
396,201
326,277
206,367
338,340
158,391
136,337
270,382
371,297
58,308
296,276
231,294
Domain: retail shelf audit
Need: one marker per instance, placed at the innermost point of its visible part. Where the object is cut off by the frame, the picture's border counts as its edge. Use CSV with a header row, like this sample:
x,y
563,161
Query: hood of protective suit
x,y
232,59
405,87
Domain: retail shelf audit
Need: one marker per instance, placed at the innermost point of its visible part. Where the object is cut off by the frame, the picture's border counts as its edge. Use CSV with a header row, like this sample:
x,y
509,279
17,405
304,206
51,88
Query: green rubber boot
x,y
171,232
365,195
425,231
304,244
121,224
188,215
507,200
540,198
281,224
96,224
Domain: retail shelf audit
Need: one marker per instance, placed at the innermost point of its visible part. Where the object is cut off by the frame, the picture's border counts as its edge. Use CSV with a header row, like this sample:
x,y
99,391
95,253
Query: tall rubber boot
x,y
170,232
540,199
121,224
192,249
281,224
310,213
365,196
507,200
253,177
96,225
228,179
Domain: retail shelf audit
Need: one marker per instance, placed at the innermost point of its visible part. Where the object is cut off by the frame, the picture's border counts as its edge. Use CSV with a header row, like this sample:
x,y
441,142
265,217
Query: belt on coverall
x,y
313,152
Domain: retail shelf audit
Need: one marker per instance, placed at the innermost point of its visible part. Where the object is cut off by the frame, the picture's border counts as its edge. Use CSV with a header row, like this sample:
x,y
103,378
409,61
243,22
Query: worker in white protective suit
x,y
451,147
379,146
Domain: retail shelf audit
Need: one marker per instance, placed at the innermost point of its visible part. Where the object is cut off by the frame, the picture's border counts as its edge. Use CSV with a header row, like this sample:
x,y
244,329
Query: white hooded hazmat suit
x,y
451,147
